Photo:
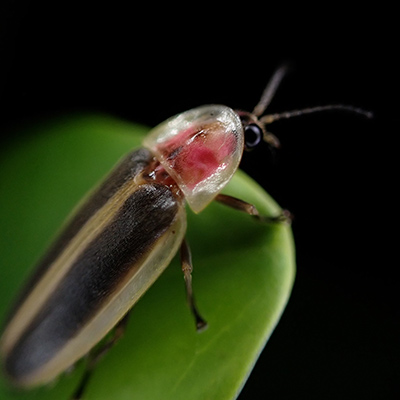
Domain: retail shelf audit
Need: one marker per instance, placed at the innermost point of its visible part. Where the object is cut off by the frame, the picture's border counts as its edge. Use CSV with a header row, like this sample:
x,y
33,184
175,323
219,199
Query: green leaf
x,y
243,270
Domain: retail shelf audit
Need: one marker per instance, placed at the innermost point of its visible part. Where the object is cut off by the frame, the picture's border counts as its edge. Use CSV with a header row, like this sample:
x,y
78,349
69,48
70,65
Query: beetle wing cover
x,y
200,149
110,252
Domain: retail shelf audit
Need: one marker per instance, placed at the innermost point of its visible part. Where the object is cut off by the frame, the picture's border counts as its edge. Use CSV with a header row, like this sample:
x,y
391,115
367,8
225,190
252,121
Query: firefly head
x,y
255,131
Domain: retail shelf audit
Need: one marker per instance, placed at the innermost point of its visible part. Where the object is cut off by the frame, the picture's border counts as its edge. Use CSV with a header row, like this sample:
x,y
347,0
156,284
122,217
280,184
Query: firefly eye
x,y
252,136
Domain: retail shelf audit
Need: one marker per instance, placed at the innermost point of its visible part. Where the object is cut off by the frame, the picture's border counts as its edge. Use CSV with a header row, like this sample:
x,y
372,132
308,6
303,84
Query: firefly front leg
x,y
187,268
250,209
98,353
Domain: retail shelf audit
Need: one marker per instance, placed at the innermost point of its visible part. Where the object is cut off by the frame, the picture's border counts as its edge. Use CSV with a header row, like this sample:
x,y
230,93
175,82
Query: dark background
x,y
339,336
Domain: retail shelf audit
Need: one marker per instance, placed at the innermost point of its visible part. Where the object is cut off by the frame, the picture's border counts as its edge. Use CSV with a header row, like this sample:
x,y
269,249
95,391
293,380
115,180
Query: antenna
x,y
268,119
270,90
255,118
266,98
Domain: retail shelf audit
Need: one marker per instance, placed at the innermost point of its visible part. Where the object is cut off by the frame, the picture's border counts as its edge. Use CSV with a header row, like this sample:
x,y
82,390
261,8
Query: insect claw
x,y
285,217
201,324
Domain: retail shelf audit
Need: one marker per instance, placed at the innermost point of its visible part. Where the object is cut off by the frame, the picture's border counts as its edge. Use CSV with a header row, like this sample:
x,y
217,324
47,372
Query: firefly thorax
x,y
200,149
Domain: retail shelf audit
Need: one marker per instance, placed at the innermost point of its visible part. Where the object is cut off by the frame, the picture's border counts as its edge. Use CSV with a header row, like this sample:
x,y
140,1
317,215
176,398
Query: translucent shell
x,y
200,149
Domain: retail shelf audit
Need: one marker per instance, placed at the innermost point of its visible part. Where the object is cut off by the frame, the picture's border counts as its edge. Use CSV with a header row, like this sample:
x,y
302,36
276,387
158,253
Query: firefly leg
x,y
187,268
250,209
98,353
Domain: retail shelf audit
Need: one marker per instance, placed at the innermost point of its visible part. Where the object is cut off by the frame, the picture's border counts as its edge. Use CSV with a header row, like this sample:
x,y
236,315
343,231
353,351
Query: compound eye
x,y
252,136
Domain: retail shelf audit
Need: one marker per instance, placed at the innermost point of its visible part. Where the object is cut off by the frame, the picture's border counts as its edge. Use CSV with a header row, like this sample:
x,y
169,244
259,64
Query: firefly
x,y
126,232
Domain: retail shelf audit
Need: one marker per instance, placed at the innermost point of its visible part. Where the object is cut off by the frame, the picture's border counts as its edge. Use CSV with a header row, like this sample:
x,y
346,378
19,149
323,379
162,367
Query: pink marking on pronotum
x,y
197,153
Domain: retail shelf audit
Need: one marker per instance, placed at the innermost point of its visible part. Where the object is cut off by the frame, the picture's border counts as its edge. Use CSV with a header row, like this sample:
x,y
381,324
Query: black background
x,y
339,336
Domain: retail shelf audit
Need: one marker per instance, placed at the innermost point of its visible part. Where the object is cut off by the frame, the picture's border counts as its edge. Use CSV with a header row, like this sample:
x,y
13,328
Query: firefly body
x,y
119,242
126,233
